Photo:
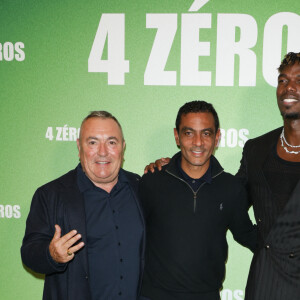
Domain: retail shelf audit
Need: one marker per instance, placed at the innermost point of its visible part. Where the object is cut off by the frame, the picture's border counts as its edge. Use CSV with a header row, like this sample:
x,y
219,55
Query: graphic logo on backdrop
x,y
230,138
280,35
64,133
233,137
10,211
10,51
232,295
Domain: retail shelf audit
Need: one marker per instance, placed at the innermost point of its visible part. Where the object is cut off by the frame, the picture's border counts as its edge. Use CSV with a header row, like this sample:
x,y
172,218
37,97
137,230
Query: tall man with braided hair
x,y
270,168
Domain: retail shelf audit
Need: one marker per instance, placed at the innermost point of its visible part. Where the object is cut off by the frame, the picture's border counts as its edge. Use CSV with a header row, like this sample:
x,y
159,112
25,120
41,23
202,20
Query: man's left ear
x,y
218,138
176,137
78,147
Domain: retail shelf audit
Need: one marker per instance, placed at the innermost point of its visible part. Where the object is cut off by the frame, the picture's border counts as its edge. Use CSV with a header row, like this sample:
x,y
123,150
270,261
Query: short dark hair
x,y
289,60
197,106
102,114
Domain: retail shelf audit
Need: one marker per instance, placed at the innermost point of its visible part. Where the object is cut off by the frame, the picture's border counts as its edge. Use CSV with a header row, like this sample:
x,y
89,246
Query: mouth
x,y
102,162
289,100
197,153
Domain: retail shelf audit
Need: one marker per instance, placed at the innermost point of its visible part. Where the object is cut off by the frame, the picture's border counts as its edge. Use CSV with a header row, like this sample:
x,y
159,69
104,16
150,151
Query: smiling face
x,y
288,92
197,139
101,149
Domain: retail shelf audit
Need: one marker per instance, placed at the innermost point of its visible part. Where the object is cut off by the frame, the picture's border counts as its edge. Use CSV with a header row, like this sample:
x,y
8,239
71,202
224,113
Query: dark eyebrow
x,y
285,76
208,129
282,75
187,128
192,129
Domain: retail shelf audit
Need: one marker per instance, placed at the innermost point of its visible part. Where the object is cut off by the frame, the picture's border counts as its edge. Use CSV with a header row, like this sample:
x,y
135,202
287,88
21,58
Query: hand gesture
x,y
61,247
158,164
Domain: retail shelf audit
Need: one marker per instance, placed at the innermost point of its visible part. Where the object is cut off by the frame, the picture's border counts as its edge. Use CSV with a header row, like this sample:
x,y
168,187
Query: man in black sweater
x,y
189,206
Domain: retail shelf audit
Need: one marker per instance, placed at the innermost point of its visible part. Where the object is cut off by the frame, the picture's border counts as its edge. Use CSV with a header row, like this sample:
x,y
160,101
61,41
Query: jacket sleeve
x,y
244,232
242,173
38,235
143,195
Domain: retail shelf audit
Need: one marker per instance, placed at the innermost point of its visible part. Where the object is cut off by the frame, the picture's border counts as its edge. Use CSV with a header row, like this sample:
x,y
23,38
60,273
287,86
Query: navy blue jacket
x,y
186,231
60,202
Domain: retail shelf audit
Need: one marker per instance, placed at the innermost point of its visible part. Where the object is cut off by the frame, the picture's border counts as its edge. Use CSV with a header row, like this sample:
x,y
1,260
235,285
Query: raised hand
x,y
61,247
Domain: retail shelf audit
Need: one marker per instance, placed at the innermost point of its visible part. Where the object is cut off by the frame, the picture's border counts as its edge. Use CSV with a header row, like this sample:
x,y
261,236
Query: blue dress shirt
x,y
114,237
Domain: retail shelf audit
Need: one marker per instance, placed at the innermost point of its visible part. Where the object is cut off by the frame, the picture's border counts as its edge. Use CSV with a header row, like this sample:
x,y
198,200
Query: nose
x,y
291,86
197,140
102,149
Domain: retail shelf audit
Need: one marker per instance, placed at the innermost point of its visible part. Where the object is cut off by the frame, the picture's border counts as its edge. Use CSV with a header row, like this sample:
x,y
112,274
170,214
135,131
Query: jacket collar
x,y
263,146
216,168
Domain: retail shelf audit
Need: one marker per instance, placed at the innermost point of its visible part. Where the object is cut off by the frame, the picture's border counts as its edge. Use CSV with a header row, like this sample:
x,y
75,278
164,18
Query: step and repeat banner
x,y
140,60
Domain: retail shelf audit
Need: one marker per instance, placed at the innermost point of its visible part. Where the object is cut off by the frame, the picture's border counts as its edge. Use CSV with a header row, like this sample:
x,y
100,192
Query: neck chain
x,y
282,138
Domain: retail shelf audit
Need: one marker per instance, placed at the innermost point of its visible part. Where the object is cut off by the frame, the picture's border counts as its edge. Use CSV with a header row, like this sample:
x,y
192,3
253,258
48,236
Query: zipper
x,y
217,174
194,193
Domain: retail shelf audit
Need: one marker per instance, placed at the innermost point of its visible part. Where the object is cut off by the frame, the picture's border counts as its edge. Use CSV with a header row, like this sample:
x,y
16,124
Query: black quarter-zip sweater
x,y
186,231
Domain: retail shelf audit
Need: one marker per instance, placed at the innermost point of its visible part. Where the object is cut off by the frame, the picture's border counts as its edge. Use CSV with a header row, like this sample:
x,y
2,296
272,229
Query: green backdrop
x,y
140,60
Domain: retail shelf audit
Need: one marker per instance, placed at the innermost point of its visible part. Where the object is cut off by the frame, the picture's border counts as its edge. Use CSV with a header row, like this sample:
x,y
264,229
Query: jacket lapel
x,y
75,215
262,147
134,186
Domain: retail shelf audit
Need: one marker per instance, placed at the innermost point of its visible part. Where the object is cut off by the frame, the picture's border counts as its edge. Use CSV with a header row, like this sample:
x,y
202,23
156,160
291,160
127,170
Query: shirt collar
x,y
84,183
207,177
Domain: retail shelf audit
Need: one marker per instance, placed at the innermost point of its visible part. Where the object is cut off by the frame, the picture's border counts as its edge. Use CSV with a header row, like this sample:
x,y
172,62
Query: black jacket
x,y
186,230
60,202
275,268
